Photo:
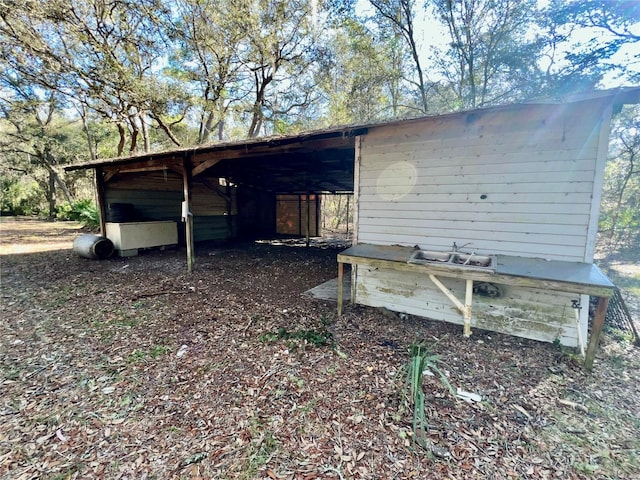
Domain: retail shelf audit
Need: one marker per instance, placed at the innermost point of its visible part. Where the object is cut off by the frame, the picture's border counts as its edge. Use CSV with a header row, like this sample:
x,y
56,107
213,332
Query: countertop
x,y
574,277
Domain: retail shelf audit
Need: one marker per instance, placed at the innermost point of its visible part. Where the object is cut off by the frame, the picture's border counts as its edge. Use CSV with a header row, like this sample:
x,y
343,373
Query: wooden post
x,y
348,206
318,215
308,220
100,200
467,308
340,292
596,330
300,215
186,180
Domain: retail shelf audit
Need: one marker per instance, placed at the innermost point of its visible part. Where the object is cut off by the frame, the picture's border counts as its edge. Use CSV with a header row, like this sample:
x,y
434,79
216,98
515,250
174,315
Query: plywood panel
x,y
297,215
529,313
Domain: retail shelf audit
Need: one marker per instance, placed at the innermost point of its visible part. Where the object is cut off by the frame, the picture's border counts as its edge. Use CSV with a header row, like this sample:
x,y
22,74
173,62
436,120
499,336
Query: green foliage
x,y
83,211
316,338
488,60
20,196
142,356
337,213
620,207
584,39
421,359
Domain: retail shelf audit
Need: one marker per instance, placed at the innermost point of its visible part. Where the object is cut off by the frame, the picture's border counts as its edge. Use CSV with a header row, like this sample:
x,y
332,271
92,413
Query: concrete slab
x,y
329,290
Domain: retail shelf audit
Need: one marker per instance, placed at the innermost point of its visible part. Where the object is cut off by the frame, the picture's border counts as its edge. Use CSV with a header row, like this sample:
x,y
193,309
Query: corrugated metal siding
x,y
205,201
529,313
515,182
158,181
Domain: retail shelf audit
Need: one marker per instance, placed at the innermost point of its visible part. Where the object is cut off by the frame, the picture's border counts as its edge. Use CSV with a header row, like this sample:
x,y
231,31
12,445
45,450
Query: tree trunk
x,y
166,129
82,110
145,134
51,196
123,135
46,159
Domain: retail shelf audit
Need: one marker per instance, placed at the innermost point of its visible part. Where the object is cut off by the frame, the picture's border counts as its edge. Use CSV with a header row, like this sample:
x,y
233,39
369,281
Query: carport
x,y
227,190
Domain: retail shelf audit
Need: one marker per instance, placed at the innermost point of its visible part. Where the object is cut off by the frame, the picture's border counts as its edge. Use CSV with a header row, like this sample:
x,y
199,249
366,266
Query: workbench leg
x,y
467,308
596,330
340,282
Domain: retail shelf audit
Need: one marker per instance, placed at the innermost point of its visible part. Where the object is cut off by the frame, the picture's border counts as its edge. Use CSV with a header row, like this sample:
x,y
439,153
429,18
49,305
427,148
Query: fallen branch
x,y
244,332
574,405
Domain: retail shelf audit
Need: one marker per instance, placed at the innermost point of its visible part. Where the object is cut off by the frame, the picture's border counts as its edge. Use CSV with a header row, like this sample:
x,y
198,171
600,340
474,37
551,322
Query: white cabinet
x,y
128,237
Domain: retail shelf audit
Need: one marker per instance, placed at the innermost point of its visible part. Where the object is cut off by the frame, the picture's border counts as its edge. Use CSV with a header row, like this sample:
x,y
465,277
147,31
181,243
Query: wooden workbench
x,y
570,277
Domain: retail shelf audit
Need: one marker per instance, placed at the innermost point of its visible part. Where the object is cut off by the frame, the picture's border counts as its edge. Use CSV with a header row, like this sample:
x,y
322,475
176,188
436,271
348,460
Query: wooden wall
x,y
159,195
513,181
523,181
524,312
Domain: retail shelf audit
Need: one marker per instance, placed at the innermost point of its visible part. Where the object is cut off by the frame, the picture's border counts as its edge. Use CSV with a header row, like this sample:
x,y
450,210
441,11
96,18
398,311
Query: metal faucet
x,y
456,247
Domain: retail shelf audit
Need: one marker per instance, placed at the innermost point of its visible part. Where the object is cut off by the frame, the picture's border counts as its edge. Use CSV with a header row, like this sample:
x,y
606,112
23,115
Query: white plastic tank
x,y
92,246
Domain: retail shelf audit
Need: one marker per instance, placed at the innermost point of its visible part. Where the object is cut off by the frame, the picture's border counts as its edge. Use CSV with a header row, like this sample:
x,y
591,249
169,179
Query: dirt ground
x,y
131,368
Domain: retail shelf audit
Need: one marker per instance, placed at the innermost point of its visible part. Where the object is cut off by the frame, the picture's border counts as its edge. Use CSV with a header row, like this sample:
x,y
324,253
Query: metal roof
x,y
308,162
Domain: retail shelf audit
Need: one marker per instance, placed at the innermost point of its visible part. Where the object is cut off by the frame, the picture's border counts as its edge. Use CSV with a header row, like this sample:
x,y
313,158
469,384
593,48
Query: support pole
x,y
596,330
340,286
188,224
308,220
348,207
102,211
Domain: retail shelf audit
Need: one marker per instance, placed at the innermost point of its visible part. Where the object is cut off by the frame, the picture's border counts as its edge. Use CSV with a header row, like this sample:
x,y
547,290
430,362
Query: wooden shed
x,y
505,200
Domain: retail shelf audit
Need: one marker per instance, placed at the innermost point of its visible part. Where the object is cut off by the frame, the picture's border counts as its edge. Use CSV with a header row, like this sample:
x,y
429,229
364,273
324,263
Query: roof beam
x,y
201,167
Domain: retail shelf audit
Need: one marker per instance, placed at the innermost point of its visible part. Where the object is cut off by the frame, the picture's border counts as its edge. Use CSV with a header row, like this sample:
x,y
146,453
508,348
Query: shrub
x,y
83,211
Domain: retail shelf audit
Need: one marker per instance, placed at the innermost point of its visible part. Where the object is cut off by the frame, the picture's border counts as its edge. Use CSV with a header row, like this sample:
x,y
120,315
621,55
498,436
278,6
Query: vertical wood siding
x,y
296,214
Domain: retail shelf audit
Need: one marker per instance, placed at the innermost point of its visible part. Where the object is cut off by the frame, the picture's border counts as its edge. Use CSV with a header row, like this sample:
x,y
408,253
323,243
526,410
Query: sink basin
x,y
453,259
425,256
472,260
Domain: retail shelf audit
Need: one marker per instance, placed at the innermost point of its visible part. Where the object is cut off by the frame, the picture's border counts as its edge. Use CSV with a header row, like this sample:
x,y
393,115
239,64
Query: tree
x,y
589,40
620,209
400,16
278,61
34,141
207,58
489,58
104,54
360,76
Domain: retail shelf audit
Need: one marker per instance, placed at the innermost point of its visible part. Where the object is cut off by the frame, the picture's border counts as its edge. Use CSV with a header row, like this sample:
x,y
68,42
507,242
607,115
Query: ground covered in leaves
x,y
130,368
